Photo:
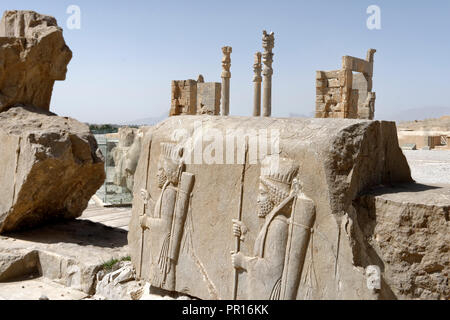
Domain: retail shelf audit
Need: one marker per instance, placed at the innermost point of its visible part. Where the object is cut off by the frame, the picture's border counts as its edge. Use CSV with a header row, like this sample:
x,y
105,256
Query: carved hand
x,y
145,195
239,229
238,260
143,221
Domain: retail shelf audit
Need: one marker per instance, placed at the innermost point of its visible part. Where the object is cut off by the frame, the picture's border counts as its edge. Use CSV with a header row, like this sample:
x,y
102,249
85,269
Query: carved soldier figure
x,y
167,222
273,272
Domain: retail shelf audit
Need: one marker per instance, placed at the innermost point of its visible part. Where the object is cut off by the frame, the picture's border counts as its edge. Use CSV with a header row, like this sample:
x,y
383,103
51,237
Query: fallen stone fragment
x,y
119,284
33,56
51,168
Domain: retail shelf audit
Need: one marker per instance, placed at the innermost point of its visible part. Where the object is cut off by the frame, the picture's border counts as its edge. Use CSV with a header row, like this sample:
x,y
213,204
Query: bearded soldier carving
x,y
166,224
273,272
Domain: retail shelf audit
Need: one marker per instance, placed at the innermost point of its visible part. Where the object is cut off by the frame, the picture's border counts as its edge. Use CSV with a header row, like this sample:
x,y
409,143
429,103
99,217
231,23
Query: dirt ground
x,y
429,166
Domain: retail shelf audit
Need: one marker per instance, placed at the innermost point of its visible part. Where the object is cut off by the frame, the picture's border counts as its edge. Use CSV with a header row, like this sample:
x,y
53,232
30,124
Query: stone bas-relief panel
x,y
126,155
291,219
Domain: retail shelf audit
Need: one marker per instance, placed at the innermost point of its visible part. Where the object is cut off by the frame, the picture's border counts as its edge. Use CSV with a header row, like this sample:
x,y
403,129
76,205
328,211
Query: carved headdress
x,y
173,160
171,151
277,175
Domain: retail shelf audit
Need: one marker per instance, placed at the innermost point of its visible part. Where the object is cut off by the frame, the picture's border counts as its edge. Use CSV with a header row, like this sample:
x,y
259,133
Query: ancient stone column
x,y
257,79
226,75
268,44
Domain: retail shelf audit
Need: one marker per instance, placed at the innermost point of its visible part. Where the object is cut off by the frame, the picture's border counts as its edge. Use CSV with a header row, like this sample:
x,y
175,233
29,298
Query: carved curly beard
x,y
264,208
161,180
276,193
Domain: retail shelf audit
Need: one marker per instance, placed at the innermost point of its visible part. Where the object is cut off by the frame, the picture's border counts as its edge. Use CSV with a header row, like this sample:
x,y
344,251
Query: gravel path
x,y
429,166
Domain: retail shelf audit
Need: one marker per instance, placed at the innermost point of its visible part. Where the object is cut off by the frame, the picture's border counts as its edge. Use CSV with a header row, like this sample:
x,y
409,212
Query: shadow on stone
x,y
406,187
80,232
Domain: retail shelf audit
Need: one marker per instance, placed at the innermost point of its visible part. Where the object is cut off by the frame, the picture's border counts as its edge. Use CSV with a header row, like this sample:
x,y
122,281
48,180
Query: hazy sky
x,y
127,52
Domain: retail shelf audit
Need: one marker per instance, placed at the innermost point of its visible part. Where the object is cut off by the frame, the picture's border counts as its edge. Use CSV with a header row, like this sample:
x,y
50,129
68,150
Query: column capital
x,y
257,68
226,61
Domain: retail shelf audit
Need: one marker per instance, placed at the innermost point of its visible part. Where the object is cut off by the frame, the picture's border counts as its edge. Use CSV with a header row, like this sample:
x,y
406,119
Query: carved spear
x,y
144,211
238,240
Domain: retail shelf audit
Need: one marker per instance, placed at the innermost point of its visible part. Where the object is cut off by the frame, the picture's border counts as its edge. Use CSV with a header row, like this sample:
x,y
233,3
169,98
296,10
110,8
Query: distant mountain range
x,y
414,114
400,116
299,115
146,121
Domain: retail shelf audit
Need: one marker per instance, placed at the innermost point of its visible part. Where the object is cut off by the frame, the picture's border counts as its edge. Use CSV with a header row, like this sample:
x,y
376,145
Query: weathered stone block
x,y
357,65
334,74
334,83
322,83
406,232
320,75
182,228
33,55
184,97
208,98
51,167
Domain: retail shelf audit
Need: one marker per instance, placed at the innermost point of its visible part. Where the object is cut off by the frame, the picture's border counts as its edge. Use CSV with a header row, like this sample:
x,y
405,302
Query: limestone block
x,y
52,167
34,55
208,98
321,107
334,74
184,97
357,65
320,75
334,83
322,83
17,263
188,216
321,91
406,229
70,253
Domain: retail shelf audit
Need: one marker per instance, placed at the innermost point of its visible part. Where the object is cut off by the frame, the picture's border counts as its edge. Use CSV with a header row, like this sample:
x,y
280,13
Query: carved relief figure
x,y
167,221
126,156
289,216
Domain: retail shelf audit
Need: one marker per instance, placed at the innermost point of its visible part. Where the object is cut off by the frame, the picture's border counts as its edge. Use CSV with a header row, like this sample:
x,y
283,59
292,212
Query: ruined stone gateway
x,y
343,94
293,210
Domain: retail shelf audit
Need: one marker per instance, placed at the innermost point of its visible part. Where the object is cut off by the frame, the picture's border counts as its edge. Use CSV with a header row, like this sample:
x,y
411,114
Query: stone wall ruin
x,y
343,94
